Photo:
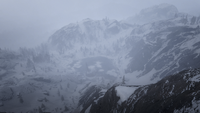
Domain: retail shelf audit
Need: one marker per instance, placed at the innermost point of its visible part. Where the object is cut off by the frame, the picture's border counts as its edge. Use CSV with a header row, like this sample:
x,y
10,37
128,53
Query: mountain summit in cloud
x,y
108,66
155,13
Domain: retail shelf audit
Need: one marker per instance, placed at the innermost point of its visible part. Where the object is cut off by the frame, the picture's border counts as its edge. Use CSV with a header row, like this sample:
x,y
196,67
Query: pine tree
x,y
123,80
68,85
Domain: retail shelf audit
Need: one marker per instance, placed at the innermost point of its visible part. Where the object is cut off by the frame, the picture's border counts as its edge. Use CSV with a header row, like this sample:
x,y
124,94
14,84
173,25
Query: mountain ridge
x,y
82,63
175,93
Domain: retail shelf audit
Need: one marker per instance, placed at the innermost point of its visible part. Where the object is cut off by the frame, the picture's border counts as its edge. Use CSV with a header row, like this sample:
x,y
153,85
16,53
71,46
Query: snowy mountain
x,y
159,12
165,47
145,50
173,94
101,37
82,66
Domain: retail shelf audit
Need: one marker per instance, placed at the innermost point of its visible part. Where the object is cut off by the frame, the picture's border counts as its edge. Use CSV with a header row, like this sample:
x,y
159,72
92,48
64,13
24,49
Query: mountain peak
x,y
161,9
154,13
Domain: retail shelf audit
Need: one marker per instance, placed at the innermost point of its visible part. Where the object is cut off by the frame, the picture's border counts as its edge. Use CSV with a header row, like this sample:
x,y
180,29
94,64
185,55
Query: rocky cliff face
x,y
165,50
81,61
96,35
175,93
154,49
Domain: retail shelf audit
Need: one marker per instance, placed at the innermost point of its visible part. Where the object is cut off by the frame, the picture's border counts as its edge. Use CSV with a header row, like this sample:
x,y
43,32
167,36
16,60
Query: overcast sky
x,y
27,23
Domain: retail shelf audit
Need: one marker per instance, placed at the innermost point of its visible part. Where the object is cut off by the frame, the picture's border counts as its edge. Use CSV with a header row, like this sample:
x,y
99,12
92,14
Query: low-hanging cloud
x,y
28,23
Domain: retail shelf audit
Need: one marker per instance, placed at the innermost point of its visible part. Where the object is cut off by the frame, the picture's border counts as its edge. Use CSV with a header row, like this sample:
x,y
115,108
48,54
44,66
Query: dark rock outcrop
x,y
175,93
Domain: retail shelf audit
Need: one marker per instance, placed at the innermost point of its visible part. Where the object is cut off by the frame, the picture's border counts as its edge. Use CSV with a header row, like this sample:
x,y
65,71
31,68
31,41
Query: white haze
x,y
27,23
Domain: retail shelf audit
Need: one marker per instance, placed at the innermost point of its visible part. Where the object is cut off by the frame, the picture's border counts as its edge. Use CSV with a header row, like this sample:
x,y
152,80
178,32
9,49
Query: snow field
x,y
124,93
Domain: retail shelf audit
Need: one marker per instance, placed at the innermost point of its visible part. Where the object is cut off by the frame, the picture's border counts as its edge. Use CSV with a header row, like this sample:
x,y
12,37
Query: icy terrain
x,y
82,65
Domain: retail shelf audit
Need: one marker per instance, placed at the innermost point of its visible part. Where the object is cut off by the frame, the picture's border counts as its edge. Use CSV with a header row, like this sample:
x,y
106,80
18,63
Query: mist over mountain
x,y
152,14
150,60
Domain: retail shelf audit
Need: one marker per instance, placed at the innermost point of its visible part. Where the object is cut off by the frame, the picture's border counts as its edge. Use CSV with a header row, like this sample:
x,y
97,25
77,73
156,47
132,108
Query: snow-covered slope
x,y
91,37
176,93
149,51
94,55
166,47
